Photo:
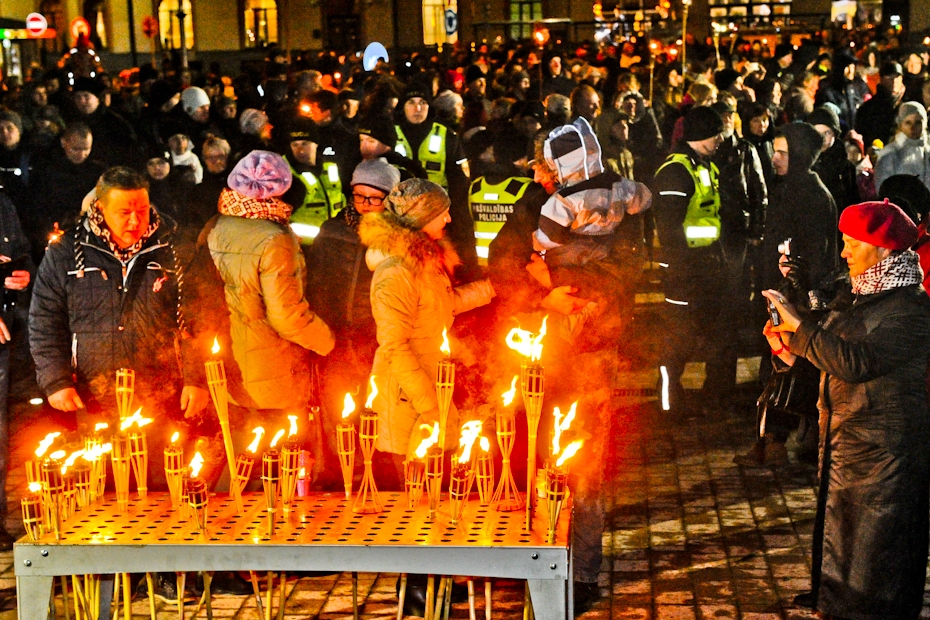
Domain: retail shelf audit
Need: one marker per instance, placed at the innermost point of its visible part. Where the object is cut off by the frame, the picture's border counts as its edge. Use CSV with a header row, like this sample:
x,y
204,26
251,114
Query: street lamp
x,y
181,15
685,5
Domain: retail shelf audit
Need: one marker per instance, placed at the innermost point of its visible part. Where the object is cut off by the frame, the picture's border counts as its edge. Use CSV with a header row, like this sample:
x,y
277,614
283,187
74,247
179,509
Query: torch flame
x,y
527,343
348,407
373,394
485,444
70,461
428,442
293,430
561,425
135,418
470,432
445,348
569,452
99,426
175,437
57,455
95,452
302,473
509,395
259,433
277,437
35,487
196,465
216,346
46,443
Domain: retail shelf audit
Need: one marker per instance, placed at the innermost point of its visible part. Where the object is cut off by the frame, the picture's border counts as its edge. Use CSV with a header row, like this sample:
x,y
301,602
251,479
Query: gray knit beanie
x,y
13,117
414,203
376,173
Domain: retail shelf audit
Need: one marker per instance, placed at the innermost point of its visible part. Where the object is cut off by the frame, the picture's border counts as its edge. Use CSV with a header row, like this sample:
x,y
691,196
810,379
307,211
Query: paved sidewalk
x,y
689,534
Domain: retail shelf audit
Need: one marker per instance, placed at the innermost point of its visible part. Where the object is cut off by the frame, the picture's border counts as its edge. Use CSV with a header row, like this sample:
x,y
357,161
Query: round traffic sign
x,y
36,24
79,26
452,22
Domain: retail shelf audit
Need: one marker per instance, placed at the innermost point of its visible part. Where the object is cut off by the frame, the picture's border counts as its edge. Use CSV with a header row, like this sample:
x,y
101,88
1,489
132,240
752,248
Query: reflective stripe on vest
x,y
702,220
432,153
307,218
332,184
491,205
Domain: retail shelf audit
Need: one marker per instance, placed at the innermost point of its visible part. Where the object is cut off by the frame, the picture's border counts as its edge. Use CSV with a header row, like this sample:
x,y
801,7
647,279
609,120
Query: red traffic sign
x,y
36,24
149,26
79,26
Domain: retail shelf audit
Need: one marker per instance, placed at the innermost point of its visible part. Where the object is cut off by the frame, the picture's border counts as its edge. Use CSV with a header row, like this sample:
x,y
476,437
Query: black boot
x,y
586,594
805,599
230,583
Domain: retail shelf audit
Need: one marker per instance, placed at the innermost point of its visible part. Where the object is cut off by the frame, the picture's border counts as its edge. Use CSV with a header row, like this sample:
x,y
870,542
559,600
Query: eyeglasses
x,y
375,201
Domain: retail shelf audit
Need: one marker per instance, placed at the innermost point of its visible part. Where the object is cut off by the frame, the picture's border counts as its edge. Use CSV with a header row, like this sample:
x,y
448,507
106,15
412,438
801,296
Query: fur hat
x,y
881,224
414,203
702,123
376,173
260,174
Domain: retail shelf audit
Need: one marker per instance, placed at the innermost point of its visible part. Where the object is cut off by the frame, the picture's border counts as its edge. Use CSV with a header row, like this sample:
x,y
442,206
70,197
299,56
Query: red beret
x,y
881,224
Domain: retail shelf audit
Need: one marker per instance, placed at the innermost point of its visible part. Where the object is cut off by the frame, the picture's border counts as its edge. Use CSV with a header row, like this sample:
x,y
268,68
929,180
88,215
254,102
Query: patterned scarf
x,y
99,227
240,205
899,269
352,216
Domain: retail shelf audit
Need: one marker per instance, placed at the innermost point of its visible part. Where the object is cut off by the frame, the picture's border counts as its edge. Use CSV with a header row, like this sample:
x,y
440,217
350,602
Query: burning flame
x,y
445,348
259,433
527,343
196,465
216,346
373,394
302,473
428,442
99,426
293,430
569,452
277,437
175,437
95,452
561,425
70,461
57,455
485,444
305,108
509,395
46,443
470,432
349,407
135,418
35,487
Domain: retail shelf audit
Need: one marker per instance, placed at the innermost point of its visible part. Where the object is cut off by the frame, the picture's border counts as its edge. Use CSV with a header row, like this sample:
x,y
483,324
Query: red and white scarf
x,y
240,205
899,269
99,227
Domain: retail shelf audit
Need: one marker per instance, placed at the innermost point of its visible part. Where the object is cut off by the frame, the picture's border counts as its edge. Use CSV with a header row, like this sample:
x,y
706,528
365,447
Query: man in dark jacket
x,y
114,138
870,543
876,119
107,297
800,208
844,88
832,165
339,284
60,182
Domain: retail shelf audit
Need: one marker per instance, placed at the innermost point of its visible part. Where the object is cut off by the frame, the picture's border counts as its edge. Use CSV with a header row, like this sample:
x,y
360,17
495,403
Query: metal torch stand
x,y
323,534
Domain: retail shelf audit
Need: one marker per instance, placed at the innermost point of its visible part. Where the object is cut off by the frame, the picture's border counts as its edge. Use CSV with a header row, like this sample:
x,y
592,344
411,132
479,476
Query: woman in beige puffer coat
x,y
412,301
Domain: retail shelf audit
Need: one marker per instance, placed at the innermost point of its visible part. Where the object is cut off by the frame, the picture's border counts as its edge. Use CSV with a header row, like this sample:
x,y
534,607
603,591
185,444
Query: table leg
x,y
32,596
105,584
550,598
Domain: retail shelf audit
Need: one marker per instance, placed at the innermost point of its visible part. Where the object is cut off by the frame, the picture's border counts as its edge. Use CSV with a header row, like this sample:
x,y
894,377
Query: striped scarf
x,y
899,269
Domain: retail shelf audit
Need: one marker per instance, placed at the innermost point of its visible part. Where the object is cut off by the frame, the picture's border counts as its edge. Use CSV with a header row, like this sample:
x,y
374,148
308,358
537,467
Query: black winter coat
x,y
839,175
870,537
876,117
743,192
95,320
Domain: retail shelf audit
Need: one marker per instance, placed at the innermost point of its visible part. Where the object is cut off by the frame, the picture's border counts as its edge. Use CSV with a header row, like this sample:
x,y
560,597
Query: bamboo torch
x,y
138,450
125,391
345,444
507,496
557,487
119,457
271,479
246,461
445,386
174,469
33,511
290,464
415,469
461,476
216,381
367,501
197,496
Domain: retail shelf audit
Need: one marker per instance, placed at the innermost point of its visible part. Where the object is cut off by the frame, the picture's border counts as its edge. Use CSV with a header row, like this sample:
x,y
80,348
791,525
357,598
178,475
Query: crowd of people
x,y
326,225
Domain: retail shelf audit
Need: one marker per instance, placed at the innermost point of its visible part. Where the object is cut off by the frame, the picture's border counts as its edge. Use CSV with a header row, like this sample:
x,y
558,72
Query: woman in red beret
x,y
871,533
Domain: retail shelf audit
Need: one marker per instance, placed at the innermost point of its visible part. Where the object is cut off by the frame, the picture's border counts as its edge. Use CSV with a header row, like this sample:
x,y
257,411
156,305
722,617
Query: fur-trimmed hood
x,y
385,238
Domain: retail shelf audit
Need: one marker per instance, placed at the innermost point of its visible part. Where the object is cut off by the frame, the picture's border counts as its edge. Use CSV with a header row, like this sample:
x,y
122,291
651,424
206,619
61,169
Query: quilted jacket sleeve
x,y
49,331
394,299
286,306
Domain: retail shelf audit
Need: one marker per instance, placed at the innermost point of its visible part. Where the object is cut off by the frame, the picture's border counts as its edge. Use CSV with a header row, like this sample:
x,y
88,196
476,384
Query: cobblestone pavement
x,y
689,534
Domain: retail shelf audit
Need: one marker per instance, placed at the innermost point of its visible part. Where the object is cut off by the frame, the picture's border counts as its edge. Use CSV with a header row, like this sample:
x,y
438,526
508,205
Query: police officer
x,y
337,144
316,191
687,212
437,148
498,185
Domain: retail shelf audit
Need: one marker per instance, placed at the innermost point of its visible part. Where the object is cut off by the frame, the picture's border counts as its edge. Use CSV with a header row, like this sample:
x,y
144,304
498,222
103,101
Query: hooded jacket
x,y
412,301
905,155
593,211
802,209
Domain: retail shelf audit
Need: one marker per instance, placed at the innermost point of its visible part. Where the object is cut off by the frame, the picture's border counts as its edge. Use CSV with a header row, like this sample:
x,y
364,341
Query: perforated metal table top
x,y
321,518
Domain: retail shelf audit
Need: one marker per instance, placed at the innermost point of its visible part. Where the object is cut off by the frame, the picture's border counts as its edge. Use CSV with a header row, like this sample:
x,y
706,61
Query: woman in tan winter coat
x,y
412,301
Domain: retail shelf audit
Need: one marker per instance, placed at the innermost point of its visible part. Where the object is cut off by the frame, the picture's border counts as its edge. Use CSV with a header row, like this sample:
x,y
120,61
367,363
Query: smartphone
x,y
773,312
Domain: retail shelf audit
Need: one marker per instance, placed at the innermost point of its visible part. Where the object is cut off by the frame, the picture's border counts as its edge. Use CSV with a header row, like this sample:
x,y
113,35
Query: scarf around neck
x,y
99,227
899,269
239,205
